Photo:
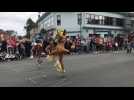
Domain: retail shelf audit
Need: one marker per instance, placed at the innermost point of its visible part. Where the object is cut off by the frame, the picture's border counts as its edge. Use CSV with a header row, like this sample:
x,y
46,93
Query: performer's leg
x,y
61,62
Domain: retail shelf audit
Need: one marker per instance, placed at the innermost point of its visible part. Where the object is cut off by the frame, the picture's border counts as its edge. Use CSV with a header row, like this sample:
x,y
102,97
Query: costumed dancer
x,y
59,51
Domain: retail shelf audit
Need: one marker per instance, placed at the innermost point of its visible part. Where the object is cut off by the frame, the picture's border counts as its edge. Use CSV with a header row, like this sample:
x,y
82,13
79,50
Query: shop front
x,y
101,32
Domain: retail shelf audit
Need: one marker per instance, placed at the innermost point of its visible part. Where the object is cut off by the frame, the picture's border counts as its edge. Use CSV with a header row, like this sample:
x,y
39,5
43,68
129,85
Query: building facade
x,y
84,23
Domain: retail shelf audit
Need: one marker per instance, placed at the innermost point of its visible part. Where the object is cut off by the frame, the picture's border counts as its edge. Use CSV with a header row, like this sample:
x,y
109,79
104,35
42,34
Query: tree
x,y
29,25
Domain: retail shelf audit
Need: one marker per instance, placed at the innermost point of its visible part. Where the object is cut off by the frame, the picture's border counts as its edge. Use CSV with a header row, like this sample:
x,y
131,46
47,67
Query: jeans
x,y
10,50
78,49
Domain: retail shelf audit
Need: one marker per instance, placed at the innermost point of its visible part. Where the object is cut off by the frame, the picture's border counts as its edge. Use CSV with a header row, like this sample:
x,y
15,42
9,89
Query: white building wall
x,y
69,21
48,22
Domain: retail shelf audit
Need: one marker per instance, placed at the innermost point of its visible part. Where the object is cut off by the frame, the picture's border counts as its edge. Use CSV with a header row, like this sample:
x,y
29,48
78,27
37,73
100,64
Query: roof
x,y
43,16
127,14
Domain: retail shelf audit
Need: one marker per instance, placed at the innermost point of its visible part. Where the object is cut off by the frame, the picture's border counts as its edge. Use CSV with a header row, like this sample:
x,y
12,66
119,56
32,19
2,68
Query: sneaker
x,y
12,56
7,56
31,57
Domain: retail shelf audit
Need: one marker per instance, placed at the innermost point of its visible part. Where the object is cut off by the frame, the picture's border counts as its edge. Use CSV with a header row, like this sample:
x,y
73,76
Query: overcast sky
x,y
16,20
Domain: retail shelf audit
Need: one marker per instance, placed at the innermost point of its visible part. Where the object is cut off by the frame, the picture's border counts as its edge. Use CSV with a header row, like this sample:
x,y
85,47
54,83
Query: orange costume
x,y
59,50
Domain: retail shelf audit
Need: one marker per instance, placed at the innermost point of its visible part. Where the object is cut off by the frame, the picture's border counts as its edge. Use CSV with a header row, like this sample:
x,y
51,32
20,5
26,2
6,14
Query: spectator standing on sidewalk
x,y
97,41
78,44
28,47
13,39
10,47
88,44
45,44
129,47
21,49
73,50
68,44
3,45
84,45
101,42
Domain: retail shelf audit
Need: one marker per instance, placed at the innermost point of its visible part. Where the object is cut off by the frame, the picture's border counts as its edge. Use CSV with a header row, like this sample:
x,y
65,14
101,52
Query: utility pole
x,y
80,22
39,13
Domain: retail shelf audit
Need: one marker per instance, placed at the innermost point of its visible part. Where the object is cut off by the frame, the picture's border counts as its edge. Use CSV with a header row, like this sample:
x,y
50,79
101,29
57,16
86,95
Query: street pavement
x,y
86,70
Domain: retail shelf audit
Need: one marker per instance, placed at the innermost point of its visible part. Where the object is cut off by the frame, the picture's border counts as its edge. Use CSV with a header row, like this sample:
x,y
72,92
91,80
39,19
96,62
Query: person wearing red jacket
x,y
13,40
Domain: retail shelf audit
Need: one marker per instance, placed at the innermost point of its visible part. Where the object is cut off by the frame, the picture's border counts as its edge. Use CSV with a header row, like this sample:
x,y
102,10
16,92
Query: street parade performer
x,y
59,51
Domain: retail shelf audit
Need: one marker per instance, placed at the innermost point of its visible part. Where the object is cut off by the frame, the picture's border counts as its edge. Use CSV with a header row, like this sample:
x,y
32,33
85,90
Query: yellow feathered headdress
x,y
60,31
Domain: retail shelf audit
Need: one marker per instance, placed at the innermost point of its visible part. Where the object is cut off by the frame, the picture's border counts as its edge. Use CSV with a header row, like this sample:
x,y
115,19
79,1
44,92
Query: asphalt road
x,y
103,70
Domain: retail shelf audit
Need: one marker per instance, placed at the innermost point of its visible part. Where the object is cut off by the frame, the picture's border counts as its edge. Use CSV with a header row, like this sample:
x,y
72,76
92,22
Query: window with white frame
x,y
99,20
49,22
87,18
58,20
52,21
